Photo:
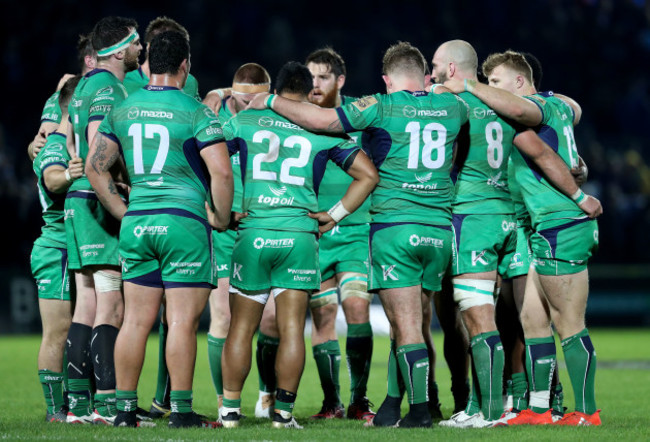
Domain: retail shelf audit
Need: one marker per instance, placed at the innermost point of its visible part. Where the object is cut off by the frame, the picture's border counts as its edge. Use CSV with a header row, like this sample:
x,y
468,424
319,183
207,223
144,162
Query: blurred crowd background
x,y
596,51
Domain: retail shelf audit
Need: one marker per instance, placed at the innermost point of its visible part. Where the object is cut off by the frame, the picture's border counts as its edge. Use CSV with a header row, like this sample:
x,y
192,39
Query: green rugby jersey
x,y
515,192
482,183
225,115
137,79
53,153
336,182
52,111
282,167
96,94
161,131
543,201
410,137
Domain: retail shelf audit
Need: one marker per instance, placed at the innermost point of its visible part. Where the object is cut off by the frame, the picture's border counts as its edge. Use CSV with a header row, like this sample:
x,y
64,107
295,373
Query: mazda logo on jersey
x,y
265,122
133,113
409,112
479,113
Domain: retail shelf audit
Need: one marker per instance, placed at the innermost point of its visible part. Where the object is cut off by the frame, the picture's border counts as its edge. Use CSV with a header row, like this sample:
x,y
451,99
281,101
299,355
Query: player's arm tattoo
x,y
100,161
335,126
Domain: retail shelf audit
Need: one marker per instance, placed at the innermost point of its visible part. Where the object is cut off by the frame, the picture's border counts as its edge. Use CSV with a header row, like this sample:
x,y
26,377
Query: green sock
x,y
267,350
163,384
488,360
328,361
580,358
52,384
519,391
127,400
232,403
284,400
79,396
413,360
358,351
395,383
540,363
474,402
181,401
105,404
557,398
215,348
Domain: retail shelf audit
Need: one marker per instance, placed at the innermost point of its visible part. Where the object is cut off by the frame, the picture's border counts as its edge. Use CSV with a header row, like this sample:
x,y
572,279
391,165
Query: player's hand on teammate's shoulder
x,y
76,168
456,85
126,189
235,219
214,98
591,206
325,221
259,101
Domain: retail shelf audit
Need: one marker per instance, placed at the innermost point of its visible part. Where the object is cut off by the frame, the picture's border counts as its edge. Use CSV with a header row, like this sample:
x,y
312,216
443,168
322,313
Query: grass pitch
x,y
622,391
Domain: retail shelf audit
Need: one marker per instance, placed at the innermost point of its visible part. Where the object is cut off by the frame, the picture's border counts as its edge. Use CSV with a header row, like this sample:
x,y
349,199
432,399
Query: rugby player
x,y
276,250
55,171
52,112
563,240
92,232
139,78
343,256
165,240
249,79
410,135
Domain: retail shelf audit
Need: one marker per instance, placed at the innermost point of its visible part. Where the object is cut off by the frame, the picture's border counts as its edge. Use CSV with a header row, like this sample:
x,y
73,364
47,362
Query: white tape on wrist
x,y
67,175
338,212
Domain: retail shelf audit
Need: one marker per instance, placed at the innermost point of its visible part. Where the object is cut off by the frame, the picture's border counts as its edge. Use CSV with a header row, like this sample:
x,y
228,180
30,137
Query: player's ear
x,y
388,81
520,81
185,65
340,81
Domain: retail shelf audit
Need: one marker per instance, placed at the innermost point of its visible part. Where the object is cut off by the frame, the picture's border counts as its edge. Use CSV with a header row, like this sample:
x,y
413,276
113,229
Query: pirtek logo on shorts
x,y
150,230
259,243
415,241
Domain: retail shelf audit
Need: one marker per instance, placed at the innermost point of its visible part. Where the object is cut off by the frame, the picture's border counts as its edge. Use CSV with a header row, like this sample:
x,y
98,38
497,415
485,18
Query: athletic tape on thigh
x,y
323,298
259,296
473,292
107,282
355,286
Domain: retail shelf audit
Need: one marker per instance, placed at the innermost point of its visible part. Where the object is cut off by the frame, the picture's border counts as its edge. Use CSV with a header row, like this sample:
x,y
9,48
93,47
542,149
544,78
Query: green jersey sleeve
x,y
361,114
543,200
54,153
52,111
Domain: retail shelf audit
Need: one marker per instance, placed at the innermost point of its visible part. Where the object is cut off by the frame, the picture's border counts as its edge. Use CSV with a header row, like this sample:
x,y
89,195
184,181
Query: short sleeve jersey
x,y
282,166
161,131
52,111
336,182
225,115
137,79
543,201
482,184
96,94
410,137
53,153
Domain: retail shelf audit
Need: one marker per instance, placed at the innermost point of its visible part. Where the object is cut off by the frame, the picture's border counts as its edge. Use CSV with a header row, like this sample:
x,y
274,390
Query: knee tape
x,y
473,292
323,298
107,281
354,286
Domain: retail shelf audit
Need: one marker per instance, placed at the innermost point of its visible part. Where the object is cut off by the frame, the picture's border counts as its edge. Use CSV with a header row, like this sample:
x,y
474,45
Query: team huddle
x,y
262,205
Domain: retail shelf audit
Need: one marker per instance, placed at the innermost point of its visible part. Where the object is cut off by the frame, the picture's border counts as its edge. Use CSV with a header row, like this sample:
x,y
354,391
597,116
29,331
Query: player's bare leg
x,y
456,344
403,307
265,354
56,317
219,323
